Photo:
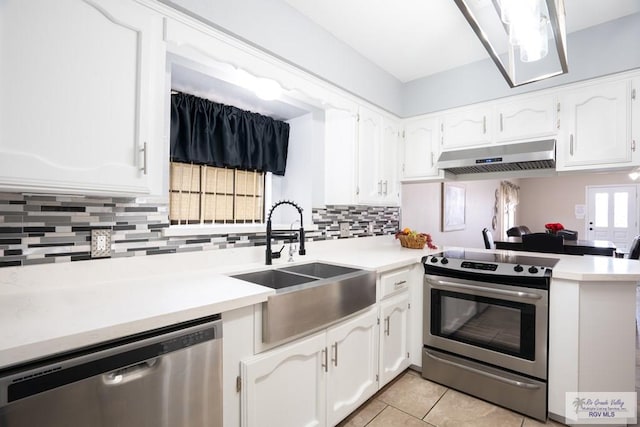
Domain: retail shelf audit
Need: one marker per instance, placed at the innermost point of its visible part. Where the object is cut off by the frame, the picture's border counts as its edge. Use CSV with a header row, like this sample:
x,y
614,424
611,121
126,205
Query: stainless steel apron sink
x,y
309,296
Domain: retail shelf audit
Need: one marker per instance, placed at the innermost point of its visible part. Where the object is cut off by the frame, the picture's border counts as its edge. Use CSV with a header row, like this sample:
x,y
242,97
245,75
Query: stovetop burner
x,y
503,258
464,263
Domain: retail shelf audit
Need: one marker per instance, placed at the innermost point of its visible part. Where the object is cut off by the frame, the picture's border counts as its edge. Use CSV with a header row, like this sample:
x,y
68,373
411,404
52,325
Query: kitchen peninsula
x,y
55,308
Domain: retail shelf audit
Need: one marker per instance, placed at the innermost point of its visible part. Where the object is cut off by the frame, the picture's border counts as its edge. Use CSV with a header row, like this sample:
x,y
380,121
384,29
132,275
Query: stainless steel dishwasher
x,y
166,377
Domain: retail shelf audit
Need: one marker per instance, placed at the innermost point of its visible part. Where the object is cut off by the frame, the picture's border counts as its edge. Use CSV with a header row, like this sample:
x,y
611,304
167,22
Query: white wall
x,y
553,199
421,210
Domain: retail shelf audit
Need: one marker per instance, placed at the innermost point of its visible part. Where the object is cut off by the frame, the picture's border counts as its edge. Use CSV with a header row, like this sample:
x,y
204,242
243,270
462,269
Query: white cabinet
x,y
81,106
394,336
526,118
316,380
377,158
353,365
421,148
467,127
595,127
341,130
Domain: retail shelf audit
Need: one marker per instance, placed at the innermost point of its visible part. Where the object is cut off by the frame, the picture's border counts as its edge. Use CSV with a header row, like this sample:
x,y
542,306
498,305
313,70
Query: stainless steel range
x,y
486,326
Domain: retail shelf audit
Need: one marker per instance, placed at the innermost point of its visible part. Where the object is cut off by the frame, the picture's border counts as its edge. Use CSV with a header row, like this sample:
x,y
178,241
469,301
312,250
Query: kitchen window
x,y
200,194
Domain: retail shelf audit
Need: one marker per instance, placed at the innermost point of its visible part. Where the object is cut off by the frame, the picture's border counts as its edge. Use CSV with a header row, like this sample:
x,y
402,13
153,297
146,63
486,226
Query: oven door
x,y
502,325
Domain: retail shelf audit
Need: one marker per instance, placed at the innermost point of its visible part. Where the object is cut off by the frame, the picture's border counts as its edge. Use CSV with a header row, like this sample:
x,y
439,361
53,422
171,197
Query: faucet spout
x,y
269,233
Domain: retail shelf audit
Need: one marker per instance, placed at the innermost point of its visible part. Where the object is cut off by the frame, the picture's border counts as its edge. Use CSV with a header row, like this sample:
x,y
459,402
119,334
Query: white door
x,y
286,387
394,336
612,214
421,148
353,365
341,132
369,145
388,162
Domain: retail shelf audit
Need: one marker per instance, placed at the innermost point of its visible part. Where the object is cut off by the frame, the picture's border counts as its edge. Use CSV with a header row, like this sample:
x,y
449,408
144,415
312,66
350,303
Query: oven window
x,y
504,326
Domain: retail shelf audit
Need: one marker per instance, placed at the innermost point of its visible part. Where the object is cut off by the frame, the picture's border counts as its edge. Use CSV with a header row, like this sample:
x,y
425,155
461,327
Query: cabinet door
x,y
421,148
394,337
79,82
286,386
389,162
340,157
353,365
468,127
595,127
526,118
369,147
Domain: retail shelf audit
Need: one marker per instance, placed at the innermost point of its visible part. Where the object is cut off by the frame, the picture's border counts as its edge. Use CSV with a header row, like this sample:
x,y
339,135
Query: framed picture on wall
x,y
453,206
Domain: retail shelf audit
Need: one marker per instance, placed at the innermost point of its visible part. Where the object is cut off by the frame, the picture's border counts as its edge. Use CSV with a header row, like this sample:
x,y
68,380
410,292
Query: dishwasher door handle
x,y
131,373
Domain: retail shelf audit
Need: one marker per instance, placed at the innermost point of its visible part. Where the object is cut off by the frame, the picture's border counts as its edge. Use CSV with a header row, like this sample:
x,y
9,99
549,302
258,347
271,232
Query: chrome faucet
x,y
292,236
269,255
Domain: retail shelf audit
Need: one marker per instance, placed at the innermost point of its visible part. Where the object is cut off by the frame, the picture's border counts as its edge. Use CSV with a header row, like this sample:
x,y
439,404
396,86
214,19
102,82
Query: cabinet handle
x,y
386,187
324,362
387,325
432,159
379,188
633,145
484,124
144,158
558,124
633,94
501,127
335,354
571,144
399,284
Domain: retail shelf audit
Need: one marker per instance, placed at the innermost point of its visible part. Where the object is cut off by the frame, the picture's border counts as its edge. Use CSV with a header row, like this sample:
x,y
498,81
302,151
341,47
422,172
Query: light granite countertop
x,y
47,309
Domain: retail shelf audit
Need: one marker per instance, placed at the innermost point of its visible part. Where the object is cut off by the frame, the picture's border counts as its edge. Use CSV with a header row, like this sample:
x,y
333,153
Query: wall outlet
x,y
100,243
370,228
345,231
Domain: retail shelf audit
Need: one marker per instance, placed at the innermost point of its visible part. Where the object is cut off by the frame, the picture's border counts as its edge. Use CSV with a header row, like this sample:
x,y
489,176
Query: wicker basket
x,y
412,242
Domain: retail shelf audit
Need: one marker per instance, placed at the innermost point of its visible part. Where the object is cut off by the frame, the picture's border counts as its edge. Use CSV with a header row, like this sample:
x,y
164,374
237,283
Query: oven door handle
x,y
501,292
515,383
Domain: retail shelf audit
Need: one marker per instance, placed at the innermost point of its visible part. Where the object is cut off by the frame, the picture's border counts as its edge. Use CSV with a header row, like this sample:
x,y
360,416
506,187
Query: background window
x,y
204,195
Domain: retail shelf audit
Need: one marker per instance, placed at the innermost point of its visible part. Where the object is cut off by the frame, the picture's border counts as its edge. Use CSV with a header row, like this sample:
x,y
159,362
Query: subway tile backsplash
x,y
37,229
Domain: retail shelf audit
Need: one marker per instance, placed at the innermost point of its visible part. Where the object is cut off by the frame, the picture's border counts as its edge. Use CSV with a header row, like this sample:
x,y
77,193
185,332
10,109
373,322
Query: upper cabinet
x,y
378,138
421,148
81,106
526,118
340,132
467,127
595,127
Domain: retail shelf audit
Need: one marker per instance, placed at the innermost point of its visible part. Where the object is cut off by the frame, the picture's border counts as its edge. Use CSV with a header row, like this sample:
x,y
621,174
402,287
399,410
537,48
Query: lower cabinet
x,y
394,336
315,381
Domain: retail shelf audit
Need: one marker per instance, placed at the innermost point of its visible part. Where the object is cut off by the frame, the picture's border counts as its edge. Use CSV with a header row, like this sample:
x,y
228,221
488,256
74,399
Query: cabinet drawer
x,y
394,281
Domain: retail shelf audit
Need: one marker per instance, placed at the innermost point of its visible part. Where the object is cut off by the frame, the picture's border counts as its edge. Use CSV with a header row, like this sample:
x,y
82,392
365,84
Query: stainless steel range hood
x,y
500,158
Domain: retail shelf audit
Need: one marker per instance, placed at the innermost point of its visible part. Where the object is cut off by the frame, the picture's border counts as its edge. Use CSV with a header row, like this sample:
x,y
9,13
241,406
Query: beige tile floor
x,y
410,400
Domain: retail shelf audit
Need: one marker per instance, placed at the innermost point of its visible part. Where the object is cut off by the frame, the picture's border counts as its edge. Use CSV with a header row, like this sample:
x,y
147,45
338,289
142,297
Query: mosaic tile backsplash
x,y
36,229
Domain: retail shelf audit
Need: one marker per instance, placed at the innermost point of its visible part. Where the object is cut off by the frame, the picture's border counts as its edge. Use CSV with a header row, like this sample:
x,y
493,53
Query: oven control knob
x,y
444,261
434,260
518,268
533,270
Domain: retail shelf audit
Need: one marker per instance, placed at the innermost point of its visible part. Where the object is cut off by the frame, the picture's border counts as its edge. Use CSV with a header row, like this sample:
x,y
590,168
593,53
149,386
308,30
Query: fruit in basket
x,y
408,233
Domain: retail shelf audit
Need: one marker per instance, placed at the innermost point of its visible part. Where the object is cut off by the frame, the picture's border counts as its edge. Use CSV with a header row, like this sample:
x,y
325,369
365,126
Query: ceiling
x,y
411,39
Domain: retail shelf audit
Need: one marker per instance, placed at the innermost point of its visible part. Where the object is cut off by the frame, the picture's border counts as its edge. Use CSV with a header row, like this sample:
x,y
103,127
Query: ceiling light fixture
x,y
516,34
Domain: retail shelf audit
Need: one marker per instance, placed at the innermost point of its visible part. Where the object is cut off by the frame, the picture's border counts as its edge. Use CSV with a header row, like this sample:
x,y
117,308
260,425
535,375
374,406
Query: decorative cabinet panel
x,y
467,127
421,148
286,386
317,380
341,131
394,336
595,127
353,365
377,158
528,118
81,110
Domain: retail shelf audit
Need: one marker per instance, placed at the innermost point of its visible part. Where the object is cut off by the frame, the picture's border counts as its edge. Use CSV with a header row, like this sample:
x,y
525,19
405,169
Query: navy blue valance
x,y
207,133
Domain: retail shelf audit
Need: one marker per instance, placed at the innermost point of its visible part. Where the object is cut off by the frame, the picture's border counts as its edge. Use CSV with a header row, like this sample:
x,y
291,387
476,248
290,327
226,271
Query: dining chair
x,y
568,234
518,231
488,239
543,242
634,249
